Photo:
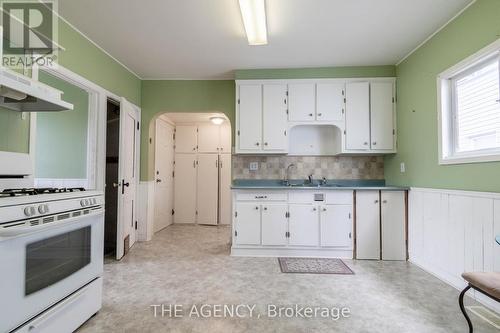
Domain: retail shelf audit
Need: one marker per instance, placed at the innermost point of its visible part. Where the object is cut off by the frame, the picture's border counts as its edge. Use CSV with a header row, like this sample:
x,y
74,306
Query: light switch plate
x,y
254,166
402,167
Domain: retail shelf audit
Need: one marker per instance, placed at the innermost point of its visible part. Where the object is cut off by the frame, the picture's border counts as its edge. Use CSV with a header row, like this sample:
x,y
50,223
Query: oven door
x,y
42,266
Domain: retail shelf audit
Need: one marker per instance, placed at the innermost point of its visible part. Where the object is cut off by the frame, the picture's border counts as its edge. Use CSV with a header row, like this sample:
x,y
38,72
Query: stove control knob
x,y
94,201
29,211
43,209
83,203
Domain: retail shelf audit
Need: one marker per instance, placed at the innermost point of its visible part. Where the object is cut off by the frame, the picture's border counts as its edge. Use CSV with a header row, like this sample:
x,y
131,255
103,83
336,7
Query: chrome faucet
x,y
323,181
286,181
310,178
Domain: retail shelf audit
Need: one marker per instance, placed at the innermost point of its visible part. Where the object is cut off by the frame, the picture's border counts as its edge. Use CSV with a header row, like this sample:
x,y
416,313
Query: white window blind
x,y
477,108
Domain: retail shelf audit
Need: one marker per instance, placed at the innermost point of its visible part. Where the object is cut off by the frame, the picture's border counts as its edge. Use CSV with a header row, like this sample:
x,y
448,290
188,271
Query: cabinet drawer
x,y
341,197
261,196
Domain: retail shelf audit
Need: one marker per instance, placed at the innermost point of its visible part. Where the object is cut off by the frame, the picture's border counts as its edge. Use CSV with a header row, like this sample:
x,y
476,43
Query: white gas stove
x,y
51,258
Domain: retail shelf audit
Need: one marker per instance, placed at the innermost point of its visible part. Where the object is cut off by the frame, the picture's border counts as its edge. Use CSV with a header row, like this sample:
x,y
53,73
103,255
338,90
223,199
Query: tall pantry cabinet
x,y
202,174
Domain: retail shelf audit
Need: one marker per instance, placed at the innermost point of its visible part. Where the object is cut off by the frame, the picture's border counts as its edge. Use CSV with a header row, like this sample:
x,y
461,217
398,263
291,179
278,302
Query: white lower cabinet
x,y
274,224
367,225
247,224
393,225
303,225
336,225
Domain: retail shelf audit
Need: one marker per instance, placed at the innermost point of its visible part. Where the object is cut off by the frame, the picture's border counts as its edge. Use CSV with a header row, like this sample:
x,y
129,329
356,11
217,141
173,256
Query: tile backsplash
x,y
330,167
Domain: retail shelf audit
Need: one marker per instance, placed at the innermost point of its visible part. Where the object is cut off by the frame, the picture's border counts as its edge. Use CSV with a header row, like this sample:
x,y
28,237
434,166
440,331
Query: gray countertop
x,y
331,184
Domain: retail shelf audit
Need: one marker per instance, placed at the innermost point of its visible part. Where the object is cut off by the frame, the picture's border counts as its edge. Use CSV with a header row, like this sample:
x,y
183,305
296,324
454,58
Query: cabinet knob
x,y
314,209
194,148
310,114
374,143
257,144
366,143
385,201
265,143
265,208
376,201
324,209
320,114
257,208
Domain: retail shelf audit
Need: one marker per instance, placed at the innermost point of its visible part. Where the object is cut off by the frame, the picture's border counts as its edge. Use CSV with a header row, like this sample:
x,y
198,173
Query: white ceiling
x,y
205,39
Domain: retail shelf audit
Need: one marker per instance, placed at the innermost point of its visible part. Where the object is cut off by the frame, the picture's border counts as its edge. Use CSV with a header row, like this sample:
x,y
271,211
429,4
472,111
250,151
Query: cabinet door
x,y
303,225
250,117
367,225
185,188
225,188
330,101
225,138
336,225
393,225
208,188
357,123
275,118
185,138
301,102
382,115
274,224
247,224
208,138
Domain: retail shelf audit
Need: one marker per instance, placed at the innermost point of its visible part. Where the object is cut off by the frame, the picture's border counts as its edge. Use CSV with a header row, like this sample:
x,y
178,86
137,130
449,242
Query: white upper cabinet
x,y
275,117
249,117
225,138
301,101
330,101
186,138
357,123
382,115
208,138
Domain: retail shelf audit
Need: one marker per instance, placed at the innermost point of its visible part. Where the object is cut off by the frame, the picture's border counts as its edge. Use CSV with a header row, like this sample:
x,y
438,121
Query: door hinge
x,y
235,214
393,132
287,92
238,132
235,233
138,125
286,111
350,235
173,136
196,212
238,101
173,174
342,111
135,225
345,100
173,212
393,99
343,92
150,140
285,132
344,132
349,216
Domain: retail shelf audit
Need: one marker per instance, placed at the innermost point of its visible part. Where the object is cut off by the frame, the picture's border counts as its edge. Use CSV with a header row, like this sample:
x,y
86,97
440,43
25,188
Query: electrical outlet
x,y
254,166
402,167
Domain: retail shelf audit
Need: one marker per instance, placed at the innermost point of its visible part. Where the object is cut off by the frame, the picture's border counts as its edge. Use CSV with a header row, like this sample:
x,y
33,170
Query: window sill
x,y
495,157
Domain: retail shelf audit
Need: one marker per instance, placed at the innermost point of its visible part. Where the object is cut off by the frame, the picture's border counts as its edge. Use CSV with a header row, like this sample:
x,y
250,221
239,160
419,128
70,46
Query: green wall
x,y
61,137
160,96
316,73
14,131
474,29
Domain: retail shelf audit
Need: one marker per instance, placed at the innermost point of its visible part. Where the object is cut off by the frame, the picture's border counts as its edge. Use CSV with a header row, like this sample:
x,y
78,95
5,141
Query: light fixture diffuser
x,y
253,13
217,120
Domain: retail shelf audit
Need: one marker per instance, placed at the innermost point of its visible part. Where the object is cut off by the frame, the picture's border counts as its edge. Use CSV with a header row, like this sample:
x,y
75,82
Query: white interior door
x,y
336,225
247,224
186,138
250,117
225,188
127,170
164,180
208,138
367,225
393,225
301,102
185,188
207,188
225,138
330,101
382,115
303,225
274,224
275,117
357,121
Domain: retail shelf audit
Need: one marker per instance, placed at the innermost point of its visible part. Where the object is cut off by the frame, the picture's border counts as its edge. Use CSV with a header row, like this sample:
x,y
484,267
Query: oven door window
x,y
52,259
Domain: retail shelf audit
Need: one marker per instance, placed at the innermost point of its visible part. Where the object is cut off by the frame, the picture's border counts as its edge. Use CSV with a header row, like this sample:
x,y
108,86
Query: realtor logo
x,y
29,32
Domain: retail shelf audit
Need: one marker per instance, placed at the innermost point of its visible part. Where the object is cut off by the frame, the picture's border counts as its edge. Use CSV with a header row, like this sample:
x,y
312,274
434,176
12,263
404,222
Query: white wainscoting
x,y
145,210
451,232
59,182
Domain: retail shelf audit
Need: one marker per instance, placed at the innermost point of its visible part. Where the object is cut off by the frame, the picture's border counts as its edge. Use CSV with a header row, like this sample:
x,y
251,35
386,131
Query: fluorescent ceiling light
x,y
254,20
217,120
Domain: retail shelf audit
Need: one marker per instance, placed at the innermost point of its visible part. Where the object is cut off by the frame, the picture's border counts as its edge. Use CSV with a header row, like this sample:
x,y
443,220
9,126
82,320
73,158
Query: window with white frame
x,y
470,110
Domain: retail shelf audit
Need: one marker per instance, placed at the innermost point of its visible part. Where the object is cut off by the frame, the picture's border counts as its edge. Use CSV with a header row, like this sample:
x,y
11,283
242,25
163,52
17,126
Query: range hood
x,y
20,93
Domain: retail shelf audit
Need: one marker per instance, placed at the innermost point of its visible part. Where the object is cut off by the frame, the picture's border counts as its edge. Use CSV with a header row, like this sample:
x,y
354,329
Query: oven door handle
x,y
17,231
